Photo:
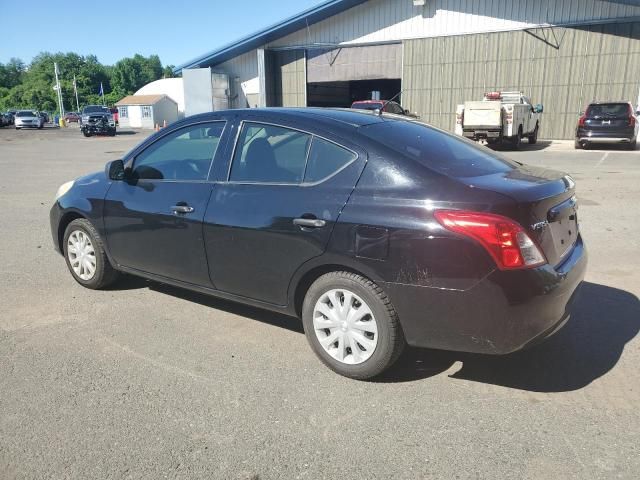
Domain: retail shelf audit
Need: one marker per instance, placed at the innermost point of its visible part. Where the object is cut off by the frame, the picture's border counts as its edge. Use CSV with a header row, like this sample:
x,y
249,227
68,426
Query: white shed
x,y
146,111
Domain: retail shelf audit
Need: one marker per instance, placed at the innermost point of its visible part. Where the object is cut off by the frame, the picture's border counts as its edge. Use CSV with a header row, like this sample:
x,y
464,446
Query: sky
x,y
177,31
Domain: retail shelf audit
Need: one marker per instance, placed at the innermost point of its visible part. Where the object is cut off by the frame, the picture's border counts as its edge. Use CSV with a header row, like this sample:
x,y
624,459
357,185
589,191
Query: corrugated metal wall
x,y
563,68
286,78
390,20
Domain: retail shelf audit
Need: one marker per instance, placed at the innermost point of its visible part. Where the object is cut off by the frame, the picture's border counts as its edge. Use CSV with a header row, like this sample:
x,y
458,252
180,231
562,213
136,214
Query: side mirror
x,y
114,170
538,108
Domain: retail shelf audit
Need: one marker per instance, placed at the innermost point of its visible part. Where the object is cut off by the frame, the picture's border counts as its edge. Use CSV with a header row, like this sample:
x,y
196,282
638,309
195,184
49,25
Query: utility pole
x,y
59,90
75,88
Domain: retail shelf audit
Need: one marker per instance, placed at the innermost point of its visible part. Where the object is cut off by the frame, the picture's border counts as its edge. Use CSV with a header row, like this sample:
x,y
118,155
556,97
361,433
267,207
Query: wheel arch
x,y
66,219
304,280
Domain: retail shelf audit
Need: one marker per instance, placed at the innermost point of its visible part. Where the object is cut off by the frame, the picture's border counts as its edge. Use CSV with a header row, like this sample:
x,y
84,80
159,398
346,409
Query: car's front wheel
x,y
351,325
85,256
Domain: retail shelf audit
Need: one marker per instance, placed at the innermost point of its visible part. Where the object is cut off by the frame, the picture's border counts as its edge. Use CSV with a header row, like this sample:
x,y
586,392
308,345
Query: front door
x,y
154,218
284,193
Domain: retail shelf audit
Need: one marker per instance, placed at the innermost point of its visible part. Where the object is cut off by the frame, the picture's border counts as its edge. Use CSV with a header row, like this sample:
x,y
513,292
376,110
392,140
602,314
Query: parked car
x,y
28,119
607,122
375,230
44,116
500,118
72,117
12,115
97,120
384,106
5,119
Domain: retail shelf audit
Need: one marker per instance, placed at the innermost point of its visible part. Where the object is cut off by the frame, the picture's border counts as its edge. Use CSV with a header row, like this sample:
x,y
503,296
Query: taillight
x,y
632,121
581,120
505,240
509,117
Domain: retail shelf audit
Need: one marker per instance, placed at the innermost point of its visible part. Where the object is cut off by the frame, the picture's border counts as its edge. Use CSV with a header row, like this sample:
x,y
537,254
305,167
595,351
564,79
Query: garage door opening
x,y
343,94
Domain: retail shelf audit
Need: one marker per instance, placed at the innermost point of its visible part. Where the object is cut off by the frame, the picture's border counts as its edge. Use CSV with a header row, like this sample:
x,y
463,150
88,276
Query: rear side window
x,y
609,110
325,159
269,154
438,150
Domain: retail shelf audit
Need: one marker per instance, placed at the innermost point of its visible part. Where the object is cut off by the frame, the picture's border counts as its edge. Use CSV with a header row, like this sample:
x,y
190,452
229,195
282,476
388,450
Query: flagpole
x,y
75,88
102,92
59,90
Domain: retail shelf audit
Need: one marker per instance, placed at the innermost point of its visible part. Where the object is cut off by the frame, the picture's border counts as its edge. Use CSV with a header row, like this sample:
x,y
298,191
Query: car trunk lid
x,y
545,205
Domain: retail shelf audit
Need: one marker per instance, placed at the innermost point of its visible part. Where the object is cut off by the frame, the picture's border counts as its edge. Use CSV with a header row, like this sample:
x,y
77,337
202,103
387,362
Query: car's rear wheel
x,y
85,256
533,138
517,140
351,325
633,144
86,134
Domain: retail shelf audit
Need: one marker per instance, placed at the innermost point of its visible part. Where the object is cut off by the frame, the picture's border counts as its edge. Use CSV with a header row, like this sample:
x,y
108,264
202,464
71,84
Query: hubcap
x,y
345,326
82,256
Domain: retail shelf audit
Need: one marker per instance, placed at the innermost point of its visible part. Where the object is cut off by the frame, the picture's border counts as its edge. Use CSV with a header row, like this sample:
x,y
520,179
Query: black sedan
x,y
376,231
607,122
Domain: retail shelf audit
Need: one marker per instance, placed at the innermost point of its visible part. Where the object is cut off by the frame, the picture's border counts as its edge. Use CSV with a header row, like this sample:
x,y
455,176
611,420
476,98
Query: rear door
x,y
276,206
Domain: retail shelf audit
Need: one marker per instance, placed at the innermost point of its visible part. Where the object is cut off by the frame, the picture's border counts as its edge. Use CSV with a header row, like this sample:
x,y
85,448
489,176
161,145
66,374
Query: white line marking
x,y
604,157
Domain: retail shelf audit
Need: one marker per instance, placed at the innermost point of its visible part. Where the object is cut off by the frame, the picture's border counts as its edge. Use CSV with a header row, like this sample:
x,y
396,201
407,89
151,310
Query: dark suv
x,y
607,122
375,230
97,120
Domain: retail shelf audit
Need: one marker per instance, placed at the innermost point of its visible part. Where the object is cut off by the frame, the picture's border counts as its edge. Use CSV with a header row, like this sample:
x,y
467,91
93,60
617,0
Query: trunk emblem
x,y
540,225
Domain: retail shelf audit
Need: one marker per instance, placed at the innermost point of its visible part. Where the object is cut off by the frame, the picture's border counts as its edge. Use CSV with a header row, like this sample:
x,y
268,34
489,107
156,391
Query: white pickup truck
x,y
500,117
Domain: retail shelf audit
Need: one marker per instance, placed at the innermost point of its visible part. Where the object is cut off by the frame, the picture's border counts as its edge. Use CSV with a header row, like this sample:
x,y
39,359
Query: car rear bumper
x,y
504,312
625,135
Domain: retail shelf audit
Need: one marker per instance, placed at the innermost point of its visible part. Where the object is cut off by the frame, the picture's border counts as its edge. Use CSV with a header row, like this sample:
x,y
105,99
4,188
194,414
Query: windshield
x,y
440,151
366,106
609,110
95,109
25,114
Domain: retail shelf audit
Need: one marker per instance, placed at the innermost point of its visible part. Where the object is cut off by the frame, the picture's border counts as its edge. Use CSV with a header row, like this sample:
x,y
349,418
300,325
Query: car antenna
x,y
390,100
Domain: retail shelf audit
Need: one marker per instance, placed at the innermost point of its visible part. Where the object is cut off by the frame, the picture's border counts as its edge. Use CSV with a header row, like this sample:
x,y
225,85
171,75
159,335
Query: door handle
x,y
182,209
309,222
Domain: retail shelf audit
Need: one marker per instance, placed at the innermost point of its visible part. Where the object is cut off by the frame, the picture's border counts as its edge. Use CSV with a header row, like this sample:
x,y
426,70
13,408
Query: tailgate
x,y
482,115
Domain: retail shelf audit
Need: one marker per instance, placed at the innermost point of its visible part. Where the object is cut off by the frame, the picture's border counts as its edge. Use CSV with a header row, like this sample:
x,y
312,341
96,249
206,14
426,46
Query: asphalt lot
x,y
150,381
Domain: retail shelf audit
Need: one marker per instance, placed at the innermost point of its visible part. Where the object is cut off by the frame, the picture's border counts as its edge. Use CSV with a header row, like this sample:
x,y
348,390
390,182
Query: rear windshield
x,y
438,150
366,106
609,110
25,114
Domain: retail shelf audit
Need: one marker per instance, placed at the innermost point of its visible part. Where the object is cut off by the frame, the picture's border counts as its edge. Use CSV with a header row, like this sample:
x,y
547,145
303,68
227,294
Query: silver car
x,y
28,119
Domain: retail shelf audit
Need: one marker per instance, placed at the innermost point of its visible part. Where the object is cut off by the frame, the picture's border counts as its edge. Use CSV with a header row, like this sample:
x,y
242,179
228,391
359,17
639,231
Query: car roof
x,y
345,116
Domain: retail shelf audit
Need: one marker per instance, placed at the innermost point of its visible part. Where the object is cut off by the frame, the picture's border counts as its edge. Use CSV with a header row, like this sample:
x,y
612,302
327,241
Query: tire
x,y
577,145
533,138
633,145
104,274
86,134
388,340
517,140
112,133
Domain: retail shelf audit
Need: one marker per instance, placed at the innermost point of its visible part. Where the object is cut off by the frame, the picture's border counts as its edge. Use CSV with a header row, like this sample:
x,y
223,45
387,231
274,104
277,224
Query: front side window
x,y
269,154
146,111
185,154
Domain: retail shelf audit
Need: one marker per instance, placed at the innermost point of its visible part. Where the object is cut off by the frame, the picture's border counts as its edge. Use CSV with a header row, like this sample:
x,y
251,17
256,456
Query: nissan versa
x,y
376,230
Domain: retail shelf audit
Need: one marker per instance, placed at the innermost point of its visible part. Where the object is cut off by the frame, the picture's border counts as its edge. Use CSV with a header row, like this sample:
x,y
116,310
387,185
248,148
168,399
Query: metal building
x,y
438,53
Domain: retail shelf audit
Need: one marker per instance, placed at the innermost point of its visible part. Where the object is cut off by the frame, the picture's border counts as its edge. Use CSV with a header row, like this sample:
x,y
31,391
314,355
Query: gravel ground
x,y
148,381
